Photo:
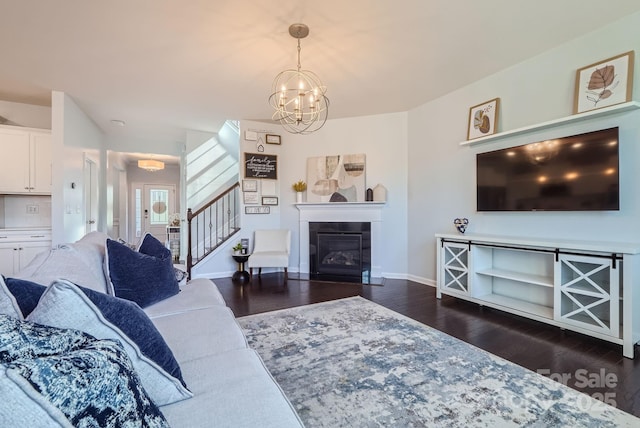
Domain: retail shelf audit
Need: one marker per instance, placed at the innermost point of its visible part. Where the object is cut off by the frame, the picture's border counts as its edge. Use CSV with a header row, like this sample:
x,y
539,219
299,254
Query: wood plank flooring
x,y
590,365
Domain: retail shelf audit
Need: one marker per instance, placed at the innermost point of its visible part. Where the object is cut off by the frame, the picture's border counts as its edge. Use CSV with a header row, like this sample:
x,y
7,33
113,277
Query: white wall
x,y
74,137
382,138
442,173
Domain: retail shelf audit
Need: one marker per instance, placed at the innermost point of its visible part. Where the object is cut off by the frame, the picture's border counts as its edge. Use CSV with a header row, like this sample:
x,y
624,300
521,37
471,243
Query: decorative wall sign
x,y
249,185
251,197
250,135
257,210
269,200
604,83
260,165
273,139
483,119
337,178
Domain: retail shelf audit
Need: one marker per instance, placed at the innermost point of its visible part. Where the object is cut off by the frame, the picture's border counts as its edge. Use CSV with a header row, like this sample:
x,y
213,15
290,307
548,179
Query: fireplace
x,y
348,212
340,251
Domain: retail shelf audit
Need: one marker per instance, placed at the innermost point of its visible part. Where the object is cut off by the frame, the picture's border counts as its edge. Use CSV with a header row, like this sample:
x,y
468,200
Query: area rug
x,y
353,363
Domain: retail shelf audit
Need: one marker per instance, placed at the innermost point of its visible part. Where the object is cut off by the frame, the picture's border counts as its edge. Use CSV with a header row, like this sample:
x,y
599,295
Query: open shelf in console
x,y
521,305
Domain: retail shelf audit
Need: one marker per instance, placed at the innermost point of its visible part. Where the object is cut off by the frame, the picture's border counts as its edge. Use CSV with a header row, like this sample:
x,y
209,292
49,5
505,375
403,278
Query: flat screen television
x,y
576,173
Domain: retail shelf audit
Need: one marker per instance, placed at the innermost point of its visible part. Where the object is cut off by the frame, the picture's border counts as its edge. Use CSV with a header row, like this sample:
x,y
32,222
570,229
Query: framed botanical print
x,y
604,83
483,119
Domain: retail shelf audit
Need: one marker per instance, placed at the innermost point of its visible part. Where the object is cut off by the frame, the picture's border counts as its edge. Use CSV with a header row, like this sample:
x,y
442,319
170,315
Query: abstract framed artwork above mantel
x,y
604,83
338,178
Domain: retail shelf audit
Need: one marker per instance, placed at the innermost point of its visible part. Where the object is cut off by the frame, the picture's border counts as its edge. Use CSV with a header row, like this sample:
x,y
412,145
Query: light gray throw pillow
x,y
64,305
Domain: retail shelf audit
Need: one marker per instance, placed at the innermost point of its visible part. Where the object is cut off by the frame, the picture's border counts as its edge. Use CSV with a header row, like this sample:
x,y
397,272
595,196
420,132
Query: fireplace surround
x,y
347,212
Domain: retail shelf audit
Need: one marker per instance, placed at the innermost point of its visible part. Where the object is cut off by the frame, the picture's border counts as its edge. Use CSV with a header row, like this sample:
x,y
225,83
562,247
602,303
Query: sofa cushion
x,y
143,277
91,382
197,294
65,305
232,379
8,303
80,263
218,331
124,314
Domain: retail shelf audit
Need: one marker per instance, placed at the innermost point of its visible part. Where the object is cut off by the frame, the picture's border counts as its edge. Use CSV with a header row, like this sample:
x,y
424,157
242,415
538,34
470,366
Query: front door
x,y
159,204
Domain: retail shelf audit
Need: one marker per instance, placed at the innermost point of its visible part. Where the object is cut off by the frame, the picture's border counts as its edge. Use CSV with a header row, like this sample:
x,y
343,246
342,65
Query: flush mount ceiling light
x,y
150,165
298,96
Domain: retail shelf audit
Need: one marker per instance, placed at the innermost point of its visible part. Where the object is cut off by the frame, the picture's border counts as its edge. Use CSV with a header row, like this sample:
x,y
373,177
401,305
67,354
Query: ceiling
x,y
167,66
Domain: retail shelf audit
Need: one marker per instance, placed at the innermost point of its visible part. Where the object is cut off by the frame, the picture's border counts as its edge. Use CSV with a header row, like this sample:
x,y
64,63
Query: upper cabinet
x,y
25,164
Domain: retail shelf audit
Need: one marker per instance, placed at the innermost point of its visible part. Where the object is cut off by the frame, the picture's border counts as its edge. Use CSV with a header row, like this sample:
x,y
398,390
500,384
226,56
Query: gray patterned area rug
x,y
353,363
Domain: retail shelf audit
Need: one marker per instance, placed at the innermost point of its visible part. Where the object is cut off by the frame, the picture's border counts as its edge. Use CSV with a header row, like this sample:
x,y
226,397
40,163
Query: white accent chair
x,y
271,248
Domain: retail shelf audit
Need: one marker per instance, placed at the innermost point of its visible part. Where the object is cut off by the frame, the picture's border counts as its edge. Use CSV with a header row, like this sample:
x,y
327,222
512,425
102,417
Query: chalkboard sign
x,y
259,165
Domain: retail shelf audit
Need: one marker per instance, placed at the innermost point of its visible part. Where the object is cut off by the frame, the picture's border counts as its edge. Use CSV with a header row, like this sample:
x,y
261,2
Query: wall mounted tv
x,y
576,173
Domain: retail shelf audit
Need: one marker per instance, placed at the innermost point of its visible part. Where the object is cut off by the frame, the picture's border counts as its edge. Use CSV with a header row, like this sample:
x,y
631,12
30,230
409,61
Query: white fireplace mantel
x,y
370,212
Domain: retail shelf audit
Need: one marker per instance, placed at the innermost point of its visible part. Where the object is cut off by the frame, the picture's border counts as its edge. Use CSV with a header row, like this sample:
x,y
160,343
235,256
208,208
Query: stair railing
x,y
212,225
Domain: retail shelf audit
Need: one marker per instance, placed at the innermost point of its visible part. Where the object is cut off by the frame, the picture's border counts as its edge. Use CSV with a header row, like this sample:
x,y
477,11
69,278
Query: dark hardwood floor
x,y
590,365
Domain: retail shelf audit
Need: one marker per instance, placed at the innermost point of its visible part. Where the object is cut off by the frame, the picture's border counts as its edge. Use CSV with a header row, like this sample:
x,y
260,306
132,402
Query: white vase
x,y
380,193
299,197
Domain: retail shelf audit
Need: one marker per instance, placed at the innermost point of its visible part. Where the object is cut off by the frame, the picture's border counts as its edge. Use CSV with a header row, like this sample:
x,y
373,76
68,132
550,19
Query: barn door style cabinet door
x,y
588,293
454,268
26,168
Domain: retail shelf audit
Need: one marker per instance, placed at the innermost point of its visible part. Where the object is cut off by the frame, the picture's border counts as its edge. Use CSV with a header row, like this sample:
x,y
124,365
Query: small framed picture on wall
x,y
483,119
269,200
249,185
273,139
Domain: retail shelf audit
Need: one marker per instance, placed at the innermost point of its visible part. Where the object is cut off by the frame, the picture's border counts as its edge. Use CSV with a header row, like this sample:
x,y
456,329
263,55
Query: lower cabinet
x,y
15,255
576,287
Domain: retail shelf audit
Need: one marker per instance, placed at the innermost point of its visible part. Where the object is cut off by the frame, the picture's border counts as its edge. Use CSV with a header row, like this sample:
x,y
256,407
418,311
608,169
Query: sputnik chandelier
x,y
298,96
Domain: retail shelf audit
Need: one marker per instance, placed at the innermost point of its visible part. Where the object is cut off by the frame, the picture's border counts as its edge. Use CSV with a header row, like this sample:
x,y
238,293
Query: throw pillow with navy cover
x,y
8,304
26,293
152,247
143,278
66,377
124,314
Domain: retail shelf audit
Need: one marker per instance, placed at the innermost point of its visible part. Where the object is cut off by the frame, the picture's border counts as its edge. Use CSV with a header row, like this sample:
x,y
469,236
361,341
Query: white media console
x,y
588,287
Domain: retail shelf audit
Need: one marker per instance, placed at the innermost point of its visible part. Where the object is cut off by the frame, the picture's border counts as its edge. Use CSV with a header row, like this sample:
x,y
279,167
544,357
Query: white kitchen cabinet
x,y
26,168
19,247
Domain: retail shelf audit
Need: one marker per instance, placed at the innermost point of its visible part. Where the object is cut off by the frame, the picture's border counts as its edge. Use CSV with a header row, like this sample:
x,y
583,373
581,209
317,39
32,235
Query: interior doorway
x,y
90,178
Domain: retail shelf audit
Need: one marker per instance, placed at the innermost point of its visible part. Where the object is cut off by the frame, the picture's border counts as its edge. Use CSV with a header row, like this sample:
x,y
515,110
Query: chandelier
x,y
150,165
298,96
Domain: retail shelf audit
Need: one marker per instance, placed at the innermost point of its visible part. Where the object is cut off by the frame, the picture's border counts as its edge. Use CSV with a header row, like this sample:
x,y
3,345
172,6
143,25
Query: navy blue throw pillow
x,y
143,278
124,314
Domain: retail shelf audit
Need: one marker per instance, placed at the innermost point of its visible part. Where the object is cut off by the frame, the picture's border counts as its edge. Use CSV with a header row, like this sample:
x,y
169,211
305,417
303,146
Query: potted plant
x,y
237,249
299,187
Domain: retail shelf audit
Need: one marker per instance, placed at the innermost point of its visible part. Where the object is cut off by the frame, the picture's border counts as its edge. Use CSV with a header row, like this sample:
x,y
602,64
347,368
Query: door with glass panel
x,y
159,203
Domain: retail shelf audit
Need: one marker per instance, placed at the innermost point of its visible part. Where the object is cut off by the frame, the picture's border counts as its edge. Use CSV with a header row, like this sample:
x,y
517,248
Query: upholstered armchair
x,y
271,248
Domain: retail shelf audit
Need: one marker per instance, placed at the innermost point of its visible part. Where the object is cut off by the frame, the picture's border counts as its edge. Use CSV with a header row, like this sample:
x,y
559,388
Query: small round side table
x,y
241,275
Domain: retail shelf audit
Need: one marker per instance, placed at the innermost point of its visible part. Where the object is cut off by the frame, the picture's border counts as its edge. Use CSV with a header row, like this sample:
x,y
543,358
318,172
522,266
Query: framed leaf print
x,y
604,83
483,119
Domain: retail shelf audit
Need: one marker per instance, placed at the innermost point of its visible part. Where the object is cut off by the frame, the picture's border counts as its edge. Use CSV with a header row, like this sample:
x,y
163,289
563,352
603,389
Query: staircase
x,y
212,195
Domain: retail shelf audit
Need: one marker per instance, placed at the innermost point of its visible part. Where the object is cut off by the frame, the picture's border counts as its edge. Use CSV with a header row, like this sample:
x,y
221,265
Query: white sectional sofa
x,y
228,384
